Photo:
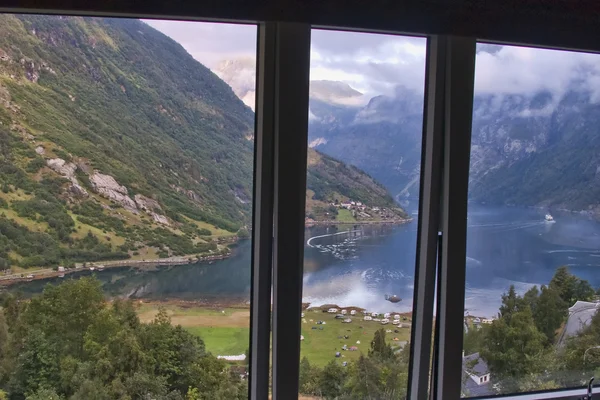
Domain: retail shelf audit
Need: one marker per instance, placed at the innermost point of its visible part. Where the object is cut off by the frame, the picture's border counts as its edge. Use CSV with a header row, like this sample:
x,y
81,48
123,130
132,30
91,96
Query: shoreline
x,y
8,280
332,222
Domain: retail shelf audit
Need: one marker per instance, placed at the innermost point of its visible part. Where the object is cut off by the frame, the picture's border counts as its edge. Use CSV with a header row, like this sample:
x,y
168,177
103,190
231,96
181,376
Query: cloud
x,y
376,64
527,71
371,63
209,42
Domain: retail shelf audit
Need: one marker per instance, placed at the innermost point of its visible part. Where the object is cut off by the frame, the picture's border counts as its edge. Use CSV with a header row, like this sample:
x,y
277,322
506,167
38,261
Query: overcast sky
x,y
375,64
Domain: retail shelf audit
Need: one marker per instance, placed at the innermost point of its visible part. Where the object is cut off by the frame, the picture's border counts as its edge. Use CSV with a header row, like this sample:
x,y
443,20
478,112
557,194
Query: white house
x,y
374,315
386,315
352,312
396,322
396,316
332,310
385,321
476,376
344,312
367,318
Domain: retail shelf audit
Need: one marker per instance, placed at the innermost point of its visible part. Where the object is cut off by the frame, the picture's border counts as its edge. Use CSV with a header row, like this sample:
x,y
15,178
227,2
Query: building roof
x,y
472,389
480,368
580,316
474,365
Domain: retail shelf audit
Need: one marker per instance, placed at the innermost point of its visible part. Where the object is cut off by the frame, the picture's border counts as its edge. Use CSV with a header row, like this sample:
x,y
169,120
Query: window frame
x,y
280,165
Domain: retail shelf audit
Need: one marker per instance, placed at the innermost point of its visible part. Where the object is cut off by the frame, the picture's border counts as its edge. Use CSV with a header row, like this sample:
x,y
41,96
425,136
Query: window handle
x,y
589,390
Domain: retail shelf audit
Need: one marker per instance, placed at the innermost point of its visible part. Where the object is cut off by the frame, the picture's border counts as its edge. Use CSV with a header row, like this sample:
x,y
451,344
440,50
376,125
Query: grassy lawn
x,y
345,216
226,331
320,346
225,341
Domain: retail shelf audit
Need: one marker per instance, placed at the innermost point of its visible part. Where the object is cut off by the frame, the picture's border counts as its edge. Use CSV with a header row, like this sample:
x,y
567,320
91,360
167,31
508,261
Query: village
x,y
350,211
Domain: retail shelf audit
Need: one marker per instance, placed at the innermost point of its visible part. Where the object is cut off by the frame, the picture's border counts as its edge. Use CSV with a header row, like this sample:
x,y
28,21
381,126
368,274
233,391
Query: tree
x,y
308,378
511,345
332,380
564,283
379,348
44,394
37,365
530,297
364,379
583,291
473,340
511,304
571,288
550,312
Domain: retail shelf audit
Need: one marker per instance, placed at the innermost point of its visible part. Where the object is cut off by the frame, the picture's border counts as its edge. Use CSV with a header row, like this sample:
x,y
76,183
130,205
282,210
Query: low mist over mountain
x,y
240,74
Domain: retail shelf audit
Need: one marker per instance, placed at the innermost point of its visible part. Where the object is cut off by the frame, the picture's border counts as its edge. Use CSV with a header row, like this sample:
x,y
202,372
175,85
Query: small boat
x,y
549,218
100,267
393,298
92,268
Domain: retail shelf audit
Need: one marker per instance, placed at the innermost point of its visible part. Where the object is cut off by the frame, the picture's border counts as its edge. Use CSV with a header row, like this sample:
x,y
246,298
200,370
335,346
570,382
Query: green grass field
x,y
226,331
320,346
223,340
345,216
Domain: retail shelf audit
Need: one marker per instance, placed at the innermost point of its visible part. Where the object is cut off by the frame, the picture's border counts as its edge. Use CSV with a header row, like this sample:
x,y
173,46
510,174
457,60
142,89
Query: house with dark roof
x,y
476,378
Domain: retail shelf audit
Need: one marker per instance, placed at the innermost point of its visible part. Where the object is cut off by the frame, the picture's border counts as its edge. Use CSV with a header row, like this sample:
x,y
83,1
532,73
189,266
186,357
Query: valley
x,y
115,144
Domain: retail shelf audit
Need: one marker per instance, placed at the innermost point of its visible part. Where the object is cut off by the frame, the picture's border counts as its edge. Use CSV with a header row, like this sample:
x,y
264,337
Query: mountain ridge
x,y
116,143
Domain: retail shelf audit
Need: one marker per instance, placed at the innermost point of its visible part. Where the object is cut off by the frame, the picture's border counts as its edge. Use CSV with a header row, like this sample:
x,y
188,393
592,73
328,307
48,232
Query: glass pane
x,y
365,131
126,200
533,237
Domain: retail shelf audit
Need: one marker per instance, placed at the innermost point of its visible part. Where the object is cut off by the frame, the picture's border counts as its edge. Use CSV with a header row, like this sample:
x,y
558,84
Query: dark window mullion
x,y
429,220
458,111
262,232
291,143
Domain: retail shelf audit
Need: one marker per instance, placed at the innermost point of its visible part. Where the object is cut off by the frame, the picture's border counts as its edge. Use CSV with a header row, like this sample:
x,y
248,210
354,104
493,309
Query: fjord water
x,y
359,265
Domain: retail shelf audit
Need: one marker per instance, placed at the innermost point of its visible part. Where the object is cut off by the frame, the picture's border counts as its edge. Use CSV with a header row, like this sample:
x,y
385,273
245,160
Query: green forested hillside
x,y
563,170
116,143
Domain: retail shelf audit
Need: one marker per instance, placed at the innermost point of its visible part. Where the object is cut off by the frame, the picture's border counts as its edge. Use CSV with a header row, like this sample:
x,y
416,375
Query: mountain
x,y
383,137
540,150
116,143
331,183
535,150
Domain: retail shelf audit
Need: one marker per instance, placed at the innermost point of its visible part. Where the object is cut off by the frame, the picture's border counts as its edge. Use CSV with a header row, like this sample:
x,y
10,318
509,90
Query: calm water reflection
x,y
359,265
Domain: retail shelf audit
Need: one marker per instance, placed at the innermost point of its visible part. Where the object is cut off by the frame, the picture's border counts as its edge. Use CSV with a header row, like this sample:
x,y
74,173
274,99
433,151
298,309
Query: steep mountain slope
x,y
383,137
331,183
538,152
116,143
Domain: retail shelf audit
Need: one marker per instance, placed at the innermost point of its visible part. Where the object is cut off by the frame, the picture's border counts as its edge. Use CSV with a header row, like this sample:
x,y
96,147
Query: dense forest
x,y
70,343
